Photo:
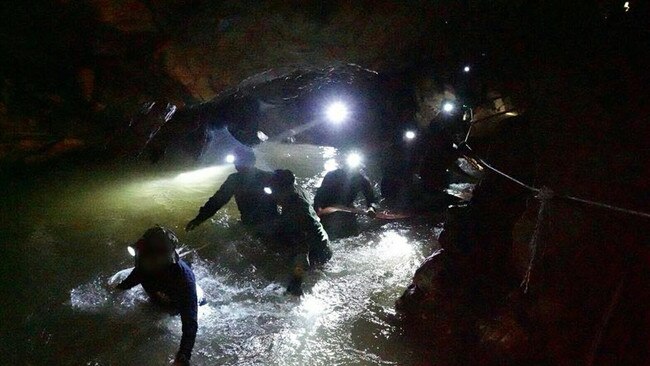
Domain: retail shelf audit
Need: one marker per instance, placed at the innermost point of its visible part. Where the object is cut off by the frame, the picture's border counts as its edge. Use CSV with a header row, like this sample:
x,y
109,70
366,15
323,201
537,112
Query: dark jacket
x,y
255,206
341,187
301,224
174,288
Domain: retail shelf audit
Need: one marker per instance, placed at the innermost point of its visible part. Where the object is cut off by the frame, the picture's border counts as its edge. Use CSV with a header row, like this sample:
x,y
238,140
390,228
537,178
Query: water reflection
x,y
342,319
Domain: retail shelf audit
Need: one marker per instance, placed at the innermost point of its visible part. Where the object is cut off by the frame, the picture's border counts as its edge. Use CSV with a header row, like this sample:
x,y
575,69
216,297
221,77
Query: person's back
x,y
168,281
341,187
257,209
299,220
169,288
308,243
255,206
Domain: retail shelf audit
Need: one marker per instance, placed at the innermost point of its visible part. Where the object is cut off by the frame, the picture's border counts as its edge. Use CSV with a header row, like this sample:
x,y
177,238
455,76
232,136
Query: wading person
x,y
257,209
305,239
341,187
168,281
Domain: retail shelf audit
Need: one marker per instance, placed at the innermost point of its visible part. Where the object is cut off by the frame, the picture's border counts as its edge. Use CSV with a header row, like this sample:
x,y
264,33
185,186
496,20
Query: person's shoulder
x,y
263,173
185,270
301,195
235,175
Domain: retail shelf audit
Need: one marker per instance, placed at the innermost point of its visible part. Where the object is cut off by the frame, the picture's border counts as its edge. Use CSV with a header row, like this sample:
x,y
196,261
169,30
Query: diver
x,y
257,210
340,187
300,228
168,281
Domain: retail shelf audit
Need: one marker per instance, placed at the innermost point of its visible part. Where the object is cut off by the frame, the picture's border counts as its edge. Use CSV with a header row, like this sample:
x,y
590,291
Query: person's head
x,y
282,183
353,162
156,250
350,162
244,158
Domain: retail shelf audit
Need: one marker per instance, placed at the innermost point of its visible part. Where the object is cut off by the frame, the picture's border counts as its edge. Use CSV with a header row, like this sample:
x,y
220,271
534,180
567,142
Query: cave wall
x,y
584,134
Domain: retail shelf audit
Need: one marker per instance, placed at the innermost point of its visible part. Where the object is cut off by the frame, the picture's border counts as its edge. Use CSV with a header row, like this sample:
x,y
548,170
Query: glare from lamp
x,y
448,107
409,135
131,250
268,190
198,176
466,68
230,158
337,112
262,136
354,160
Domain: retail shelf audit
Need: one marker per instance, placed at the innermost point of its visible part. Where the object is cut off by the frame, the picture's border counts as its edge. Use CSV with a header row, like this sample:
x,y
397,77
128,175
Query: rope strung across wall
x,y
545,195
567,197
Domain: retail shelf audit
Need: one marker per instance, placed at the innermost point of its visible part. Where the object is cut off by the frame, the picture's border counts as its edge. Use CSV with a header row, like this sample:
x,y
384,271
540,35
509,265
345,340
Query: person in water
x,y
340,187
257,209
300,228
168,281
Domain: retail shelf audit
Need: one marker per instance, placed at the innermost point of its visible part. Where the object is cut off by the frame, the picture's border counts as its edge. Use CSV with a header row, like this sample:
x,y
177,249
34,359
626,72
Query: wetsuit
x,y
174,288
257,208
340,187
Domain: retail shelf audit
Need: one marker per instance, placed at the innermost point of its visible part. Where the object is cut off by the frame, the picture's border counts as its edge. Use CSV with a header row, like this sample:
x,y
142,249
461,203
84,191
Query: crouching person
x,y
168,281
300,228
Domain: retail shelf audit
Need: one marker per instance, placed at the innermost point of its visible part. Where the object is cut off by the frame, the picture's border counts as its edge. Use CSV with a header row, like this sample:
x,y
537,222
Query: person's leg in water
x,y
340,225
304,258
299,265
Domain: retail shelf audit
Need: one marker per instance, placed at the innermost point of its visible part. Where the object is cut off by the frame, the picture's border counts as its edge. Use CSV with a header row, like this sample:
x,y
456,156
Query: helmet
x,y
156,250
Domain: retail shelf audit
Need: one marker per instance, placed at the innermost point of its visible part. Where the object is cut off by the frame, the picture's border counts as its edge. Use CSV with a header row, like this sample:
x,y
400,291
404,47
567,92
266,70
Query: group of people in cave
x,y
277,210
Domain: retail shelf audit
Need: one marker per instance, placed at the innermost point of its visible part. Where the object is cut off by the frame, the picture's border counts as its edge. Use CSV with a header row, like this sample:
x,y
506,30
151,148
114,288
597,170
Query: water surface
x,y
72,233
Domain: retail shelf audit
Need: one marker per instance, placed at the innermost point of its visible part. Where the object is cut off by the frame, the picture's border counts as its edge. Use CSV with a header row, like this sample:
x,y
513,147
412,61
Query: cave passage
x,y
346,317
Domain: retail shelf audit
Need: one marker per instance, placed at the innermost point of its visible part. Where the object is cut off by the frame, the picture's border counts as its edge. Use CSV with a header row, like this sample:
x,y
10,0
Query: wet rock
x,y
429,272
502,340
585,289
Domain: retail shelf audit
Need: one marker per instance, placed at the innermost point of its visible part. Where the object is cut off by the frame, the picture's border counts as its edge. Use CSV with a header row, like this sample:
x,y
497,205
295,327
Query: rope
x,y
545,196
604,205
572,198
609,311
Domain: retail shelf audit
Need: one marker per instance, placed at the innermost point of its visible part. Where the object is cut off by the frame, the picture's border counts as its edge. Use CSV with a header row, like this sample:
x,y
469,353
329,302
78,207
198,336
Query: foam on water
x,y
344,318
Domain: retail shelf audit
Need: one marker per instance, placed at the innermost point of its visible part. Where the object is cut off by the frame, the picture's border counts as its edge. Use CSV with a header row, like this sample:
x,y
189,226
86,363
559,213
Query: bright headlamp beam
x,y
466,68
337,112
448,107
409,135
354,160
268,190
131,250
230,158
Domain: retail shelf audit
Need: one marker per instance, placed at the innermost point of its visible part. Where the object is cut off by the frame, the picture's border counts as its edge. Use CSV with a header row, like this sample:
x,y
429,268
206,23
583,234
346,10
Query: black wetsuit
x,y
174,288
340,187
257,208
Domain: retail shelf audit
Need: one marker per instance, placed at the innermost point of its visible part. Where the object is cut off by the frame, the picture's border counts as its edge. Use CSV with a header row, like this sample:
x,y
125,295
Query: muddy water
x,y
72,233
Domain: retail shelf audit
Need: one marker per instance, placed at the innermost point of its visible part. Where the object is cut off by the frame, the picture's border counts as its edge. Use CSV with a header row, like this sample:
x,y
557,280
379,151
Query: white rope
x,y
604,205
572,198
545,196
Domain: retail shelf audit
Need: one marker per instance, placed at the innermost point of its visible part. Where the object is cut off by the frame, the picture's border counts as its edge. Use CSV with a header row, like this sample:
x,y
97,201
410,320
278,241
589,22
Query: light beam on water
x,y
342,318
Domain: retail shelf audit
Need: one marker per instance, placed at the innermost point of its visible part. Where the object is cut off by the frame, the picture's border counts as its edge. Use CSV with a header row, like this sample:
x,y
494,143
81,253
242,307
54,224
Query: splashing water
x,y
346,316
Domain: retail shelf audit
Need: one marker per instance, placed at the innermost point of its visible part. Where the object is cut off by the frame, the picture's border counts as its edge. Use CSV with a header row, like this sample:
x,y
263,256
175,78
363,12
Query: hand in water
x,y
192,225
